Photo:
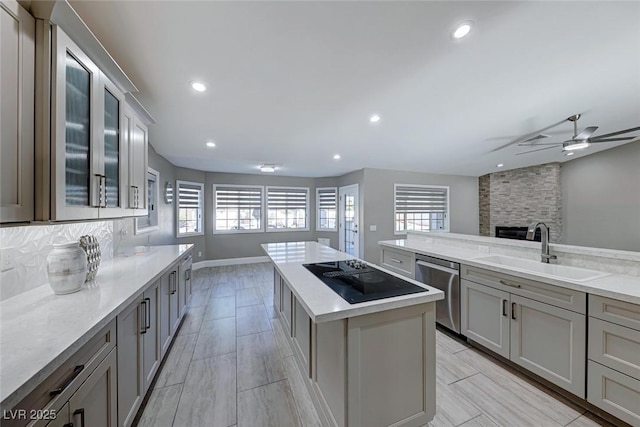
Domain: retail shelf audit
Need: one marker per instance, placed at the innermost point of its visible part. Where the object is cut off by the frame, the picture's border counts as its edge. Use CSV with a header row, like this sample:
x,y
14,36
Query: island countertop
x,y
320,302
40,330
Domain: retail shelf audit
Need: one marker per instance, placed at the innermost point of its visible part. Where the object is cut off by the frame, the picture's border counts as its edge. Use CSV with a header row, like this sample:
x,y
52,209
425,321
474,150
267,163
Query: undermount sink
x,y
549,270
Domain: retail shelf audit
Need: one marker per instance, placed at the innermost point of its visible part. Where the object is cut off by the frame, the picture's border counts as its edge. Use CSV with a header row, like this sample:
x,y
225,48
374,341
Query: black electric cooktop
x,y
357,282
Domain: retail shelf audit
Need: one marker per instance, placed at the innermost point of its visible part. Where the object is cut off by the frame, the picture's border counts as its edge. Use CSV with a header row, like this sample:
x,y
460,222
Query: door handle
x,y
65,384
513,310
143,329
504,307
104,188
148,310
81,413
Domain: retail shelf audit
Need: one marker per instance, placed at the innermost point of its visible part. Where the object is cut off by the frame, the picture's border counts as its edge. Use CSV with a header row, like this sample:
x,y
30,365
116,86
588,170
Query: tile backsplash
x,y
27,249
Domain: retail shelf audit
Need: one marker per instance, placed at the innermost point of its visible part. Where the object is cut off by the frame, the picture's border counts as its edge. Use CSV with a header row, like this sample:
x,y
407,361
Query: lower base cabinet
x,y
548,341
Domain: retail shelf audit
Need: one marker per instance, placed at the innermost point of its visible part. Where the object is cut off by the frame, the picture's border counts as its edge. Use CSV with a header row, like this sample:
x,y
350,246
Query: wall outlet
x,y
373,228
6,259
199,254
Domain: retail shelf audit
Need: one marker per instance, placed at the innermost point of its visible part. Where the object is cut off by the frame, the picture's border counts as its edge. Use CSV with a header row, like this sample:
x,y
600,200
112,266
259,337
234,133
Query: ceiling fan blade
x,y
531,144
586,133
624,138
533,151
529,135
620,132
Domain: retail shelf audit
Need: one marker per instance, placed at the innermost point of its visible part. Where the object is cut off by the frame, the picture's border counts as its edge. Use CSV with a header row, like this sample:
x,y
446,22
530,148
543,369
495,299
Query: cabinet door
x,y
174,301
164,318
94,403
485,316
61,417
277,291
151,335
76,175
17,80
138,143
131,322
550,342
111,150
287,311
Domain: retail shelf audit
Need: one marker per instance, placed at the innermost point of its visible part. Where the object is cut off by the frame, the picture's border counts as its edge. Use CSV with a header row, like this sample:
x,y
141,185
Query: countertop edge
x,y
16,396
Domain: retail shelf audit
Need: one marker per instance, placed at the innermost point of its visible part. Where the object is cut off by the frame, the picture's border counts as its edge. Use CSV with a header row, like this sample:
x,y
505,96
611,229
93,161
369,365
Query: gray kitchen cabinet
x,y
17,85
614,357
546,339
184,284
131,323
94,404
138,352
136,135
401,262
484,316
287,310
277,291
168,308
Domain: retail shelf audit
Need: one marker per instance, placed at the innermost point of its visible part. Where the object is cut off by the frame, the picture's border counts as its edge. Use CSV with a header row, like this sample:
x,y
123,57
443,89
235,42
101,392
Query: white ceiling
x,y
293,83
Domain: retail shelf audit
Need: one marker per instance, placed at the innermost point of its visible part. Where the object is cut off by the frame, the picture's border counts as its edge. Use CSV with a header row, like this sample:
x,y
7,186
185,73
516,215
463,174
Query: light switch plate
x,y
373,228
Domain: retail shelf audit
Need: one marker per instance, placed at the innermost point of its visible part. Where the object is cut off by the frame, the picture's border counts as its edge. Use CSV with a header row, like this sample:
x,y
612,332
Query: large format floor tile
x,y
270,405
252,319
216,337
177,362
259,361
161,407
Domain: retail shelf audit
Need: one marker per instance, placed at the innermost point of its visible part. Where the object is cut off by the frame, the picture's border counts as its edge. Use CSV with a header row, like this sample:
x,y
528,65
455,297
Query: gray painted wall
x,y
377,201
601,199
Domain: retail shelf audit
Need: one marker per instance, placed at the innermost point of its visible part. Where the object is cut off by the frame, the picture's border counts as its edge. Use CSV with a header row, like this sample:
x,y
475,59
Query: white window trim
x,y
177,209
266,210
262,210
446,217
318,228
143,230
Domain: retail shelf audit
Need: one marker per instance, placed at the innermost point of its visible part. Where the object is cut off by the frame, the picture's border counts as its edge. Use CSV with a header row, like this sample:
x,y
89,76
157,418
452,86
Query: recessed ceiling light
x,y
198,86
211,144
268,168
374,119
462,30
500,165
336,157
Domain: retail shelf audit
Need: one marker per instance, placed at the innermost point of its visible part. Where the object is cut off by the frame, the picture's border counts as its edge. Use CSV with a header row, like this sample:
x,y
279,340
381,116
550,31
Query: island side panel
x,y
391,360
330,370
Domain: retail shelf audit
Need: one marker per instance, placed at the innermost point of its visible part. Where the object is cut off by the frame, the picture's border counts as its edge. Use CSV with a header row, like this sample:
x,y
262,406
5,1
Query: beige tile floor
x,y
231,365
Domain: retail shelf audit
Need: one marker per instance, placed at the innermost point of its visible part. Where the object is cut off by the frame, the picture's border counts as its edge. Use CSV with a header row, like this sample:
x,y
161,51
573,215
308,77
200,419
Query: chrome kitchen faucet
x,y
544,231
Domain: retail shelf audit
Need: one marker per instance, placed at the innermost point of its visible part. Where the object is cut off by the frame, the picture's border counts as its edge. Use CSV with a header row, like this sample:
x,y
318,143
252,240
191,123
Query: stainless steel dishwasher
x,y
443,275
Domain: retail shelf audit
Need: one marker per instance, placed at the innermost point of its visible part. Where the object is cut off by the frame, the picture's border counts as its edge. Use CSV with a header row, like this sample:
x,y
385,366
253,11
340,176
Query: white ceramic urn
x,y
66,268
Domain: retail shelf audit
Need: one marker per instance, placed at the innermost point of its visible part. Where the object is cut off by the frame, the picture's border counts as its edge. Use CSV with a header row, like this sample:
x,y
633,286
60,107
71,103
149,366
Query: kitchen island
x,y
364,364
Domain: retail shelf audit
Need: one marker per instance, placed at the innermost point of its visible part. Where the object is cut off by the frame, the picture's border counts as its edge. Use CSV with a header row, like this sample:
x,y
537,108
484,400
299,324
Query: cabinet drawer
x,y
399,261
58,387
615,346
616,393
543,292
611,310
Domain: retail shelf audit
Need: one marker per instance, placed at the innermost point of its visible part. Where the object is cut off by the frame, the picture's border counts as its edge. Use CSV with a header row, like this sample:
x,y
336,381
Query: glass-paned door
x,y
111,149
349,219
77,133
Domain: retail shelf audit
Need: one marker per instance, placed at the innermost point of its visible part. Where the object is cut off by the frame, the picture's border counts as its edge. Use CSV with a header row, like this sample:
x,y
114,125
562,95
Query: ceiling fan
x,y
579,141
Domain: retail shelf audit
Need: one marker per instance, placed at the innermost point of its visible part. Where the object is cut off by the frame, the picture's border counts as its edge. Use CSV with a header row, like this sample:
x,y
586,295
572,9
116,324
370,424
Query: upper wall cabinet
x,y
17,79
88,150
137,140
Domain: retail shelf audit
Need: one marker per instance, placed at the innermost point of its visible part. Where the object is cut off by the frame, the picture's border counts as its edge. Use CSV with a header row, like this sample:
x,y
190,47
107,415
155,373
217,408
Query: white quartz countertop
x,y
617,286
320,302
40,330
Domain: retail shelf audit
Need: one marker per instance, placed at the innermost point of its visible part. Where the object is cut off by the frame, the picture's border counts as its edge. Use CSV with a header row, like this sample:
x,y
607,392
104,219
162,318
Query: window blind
x,y
238,197
414,199
287,198
327,198
189,195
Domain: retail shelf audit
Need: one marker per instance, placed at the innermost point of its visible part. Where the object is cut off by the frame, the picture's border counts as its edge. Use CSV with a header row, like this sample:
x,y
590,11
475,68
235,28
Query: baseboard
x,y
229,261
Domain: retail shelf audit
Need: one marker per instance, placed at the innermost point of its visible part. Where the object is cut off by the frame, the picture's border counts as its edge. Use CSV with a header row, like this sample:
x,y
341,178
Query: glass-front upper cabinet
x,y
87,151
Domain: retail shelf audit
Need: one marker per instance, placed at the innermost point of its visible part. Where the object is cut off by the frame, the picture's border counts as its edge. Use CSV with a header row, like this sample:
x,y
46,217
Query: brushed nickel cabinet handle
x,y
396,260
513,285
513,310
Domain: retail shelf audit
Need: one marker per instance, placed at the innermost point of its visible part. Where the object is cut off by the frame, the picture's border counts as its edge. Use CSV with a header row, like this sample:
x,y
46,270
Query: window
x,y
149,223
238,209
190,203
287,208
421,208
327,204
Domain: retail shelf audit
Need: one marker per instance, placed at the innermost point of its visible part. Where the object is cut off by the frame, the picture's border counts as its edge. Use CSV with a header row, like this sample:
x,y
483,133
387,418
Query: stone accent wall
x,y
484,188
520,196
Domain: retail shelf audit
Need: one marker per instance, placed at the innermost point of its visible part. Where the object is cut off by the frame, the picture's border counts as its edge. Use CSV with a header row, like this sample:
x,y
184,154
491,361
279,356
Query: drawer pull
x,y
504,307
65,384
513,285
147,309
396,260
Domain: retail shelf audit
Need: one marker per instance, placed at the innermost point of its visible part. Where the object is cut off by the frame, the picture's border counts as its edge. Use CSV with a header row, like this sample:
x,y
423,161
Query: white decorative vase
x,y
66,268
